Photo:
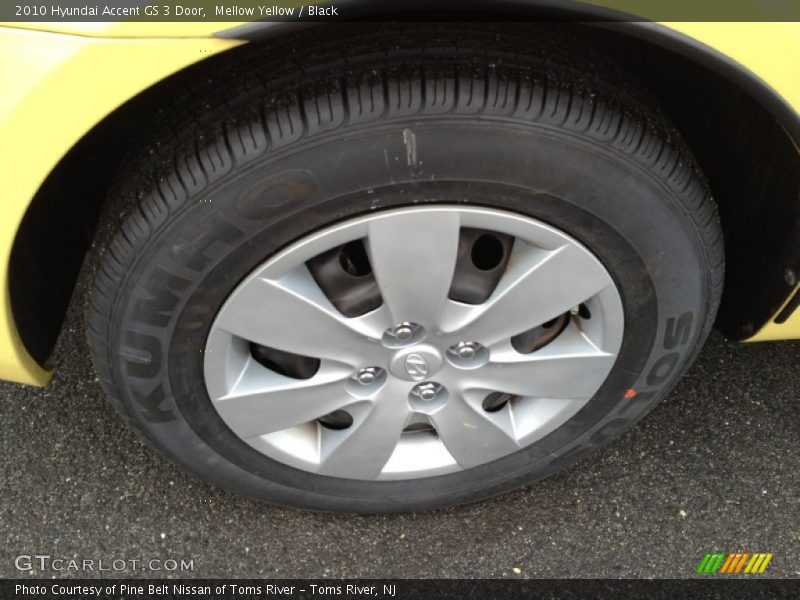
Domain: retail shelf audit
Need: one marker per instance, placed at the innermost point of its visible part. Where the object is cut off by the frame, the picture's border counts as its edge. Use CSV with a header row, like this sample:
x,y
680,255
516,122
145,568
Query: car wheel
x,y
403,280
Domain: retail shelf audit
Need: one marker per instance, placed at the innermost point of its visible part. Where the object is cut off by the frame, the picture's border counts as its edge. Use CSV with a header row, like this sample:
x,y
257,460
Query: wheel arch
x,y
691,81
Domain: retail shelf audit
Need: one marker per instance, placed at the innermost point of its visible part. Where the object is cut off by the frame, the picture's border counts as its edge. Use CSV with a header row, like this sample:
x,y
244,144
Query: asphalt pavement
x,y
715,468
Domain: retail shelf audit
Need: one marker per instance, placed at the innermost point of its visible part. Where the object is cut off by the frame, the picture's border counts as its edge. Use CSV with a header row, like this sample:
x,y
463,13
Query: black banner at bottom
x,y
394,589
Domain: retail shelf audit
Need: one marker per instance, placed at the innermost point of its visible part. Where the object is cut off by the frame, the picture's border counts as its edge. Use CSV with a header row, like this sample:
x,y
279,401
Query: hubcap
x,y
378,373
415,363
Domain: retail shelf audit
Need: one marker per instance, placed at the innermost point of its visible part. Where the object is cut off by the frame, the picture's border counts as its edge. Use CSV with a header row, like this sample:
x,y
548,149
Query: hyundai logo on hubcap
x,y
416,366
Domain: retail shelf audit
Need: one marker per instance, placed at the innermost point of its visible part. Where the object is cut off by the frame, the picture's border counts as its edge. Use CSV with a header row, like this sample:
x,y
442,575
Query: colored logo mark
x,y
732,563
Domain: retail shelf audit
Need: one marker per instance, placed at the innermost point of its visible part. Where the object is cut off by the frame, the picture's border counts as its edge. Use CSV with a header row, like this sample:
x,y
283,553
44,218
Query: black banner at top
x,y
64,11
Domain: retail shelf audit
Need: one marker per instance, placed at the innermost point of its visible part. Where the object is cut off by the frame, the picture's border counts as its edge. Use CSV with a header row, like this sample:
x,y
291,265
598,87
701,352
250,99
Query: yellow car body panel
x,y
771,51
788,330
55,89
61,79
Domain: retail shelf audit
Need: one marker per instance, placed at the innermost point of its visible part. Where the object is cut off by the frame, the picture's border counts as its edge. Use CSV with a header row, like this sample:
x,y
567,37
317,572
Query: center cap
x,y
415,363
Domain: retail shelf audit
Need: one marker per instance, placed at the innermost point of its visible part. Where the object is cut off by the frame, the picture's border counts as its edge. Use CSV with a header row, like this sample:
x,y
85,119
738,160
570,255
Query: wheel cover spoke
x,y
570,368
422,385
471,435
264,402
538,287
413,257
292,314
343,452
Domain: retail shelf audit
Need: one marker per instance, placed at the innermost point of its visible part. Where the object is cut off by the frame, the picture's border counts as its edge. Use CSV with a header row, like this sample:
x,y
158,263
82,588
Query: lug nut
x,y
427,394
403,331
466,349
467,355
427,391
403,334
367,375
366,382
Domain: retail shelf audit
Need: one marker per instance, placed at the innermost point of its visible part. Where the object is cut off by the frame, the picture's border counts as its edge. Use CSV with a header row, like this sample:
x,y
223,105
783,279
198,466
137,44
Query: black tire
x,y
265,154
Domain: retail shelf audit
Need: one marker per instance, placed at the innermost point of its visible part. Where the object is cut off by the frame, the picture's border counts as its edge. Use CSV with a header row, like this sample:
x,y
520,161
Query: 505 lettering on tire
x,y
403,279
